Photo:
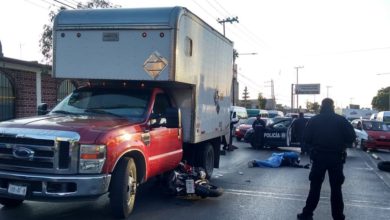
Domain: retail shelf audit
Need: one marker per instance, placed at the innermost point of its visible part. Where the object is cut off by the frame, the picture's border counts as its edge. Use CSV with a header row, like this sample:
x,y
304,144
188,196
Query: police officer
x,y
327,135
259,127
298,126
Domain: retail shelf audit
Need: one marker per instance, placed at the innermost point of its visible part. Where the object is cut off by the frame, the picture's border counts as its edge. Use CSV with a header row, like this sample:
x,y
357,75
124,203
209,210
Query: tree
x,y
262,101
46,41
280,107
313,107
245,96
381,101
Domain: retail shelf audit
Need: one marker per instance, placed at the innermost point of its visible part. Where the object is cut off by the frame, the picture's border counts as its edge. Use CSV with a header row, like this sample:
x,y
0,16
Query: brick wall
x,y
24,84
49,90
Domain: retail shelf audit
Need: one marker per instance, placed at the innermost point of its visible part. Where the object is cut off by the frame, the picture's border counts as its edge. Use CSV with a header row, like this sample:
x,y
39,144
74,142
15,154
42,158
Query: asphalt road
x,y
250,193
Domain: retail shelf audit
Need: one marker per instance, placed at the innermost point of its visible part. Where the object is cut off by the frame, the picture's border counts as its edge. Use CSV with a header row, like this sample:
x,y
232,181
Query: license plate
x,y
190,186
17,189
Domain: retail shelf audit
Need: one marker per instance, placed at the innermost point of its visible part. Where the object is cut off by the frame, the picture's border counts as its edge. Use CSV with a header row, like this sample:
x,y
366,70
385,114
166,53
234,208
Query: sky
x,y
343,45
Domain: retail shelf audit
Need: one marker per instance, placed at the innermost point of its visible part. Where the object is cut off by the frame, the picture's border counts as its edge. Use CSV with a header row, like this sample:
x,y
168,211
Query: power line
x,y
256,38
64,4
37,5
216,9
249,34
212,15
250,80
227,13
203,9
250,86
74,3
51,4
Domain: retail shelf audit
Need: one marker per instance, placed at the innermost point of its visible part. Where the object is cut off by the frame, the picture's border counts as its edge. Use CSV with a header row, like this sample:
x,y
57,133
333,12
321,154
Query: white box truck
x,y
158,92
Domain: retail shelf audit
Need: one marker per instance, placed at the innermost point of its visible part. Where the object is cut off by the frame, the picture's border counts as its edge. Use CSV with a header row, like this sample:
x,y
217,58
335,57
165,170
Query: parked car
x,y
371,134
384,116
275,113
276,119
254,112
276,135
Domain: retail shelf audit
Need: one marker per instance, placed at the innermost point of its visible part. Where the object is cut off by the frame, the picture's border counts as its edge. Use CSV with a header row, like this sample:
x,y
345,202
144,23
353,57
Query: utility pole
x,y
272,93
292,97
297,68
230,20
327,91
235,88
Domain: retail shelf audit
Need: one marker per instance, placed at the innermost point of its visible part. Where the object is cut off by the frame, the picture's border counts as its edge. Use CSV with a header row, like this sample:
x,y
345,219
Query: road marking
x,y
302,198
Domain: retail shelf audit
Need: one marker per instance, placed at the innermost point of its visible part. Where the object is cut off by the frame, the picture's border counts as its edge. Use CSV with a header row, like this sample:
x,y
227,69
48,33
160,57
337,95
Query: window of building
x,y
7,98
66,87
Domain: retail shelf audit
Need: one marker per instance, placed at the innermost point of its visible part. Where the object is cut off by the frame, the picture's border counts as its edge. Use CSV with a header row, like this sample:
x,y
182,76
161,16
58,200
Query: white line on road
x,y
297,197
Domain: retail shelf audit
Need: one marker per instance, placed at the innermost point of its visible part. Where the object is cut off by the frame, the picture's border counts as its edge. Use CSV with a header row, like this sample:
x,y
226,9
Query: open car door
x,y
279,134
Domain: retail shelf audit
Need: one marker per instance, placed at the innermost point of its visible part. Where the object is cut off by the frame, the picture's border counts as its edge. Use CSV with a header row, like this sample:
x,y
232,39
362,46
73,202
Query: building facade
x,y
24,85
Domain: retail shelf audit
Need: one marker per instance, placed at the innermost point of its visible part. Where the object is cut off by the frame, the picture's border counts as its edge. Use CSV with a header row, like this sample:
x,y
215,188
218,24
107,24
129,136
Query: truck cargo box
x,y
171,46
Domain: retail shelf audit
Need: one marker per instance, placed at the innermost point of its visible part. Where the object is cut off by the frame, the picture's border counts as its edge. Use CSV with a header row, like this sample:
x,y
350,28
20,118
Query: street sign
x,y
307,89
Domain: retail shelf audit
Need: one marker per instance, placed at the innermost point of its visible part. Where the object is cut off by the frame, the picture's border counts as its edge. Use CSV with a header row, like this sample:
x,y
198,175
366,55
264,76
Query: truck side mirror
x,y
42,109
172,116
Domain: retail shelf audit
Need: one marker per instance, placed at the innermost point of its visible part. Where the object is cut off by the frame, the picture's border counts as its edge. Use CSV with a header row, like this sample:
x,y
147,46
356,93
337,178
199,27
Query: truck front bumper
x,y
53,187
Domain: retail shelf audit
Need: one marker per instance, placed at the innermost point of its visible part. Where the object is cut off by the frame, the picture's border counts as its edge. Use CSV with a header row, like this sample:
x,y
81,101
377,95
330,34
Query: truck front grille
x,y
40,154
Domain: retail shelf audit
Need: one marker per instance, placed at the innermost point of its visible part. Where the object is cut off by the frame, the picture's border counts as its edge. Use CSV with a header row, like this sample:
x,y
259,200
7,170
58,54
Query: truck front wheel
x,y
10,202
123,188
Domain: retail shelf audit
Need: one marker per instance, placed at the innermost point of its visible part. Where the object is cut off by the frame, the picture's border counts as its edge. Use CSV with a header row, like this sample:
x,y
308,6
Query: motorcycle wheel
x,y
205,189
10,202
384,166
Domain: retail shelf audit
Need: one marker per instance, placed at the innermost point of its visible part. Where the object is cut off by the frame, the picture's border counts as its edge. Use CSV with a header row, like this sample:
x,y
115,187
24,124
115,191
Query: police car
x,y
275,135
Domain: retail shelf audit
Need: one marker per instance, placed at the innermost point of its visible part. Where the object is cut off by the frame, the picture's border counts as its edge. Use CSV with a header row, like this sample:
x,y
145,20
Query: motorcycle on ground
x,y
187,180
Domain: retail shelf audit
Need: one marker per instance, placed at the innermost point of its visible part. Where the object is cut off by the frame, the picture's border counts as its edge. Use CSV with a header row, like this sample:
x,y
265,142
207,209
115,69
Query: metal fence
x,y
7,99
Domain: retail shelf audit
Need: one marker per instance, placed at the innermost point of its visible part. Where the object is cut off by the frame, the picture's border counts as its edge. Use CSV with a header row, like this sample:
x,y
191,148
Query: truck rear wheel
x,y
10,202
123,188
206,159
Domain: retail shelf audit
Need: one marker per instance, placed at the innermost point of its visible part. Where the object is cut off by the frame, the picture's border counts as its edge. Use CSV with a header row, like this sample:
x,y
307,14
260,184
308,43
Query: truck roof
x,y
165,16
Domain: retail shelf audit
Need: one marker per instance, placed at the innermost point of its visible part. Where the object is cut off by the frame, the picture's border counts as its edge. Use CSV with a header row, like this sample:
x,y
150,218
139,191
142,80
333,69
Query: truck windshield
x,y
125,103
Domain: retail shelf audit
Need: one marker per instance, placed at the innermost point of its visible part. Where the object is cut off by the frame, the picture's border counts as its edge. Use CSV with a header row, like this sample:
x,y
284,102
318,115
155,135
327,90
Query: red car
x,y
243,127
378,134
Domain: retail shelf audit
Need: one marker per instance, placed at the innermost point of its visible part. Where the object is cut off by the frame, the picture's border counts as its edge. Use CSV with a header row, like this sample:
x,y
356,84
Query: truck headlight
x,y
92,158
370,139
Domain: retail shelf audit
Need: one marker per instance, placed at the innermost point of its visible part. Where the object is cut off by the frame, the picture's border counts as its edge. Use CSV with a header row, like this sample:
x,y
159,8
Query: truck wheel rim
x,y
131,189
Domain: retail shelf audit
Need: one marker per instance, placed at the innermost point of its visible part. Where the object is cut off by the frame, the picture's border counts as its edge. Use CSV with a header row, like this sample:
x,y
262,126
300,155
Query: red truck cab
x,y
74,149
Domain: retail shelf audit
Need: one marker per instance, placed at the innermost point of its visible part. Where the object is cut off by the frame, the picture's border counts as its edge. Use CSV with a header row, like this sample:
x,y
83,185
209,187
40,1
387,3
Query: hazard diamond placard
x,y
155,64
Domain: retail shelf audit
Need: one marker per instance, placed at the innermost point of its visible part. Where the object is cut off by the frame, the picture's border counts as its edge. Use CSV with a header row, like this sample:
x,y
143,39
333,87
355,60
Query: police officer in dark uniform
x,y
327,135
298,126
259,127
